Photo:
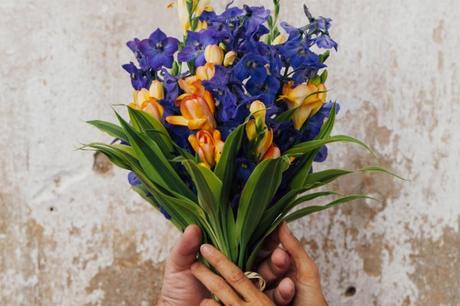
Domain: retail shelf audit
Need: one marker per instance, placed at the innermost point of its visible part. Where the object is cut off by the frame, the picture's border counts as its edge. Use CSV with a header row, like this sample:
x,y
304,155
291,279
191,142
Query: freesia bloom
x,y
208,145
306,99
259,134
230,58
214,54
156,90
142,100
196,105
206,72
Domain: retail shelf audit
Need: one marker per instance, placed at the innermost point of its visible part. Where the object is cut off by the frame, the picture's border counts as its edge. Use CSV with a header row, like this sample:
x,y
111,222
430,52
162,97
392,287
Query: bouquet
x,y
226,124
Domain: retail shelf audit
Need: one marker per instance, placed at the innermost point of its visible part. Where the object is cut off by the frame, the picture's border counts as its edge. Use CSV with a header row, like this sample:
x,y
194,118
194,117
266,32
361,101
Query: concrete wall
x,y
72,233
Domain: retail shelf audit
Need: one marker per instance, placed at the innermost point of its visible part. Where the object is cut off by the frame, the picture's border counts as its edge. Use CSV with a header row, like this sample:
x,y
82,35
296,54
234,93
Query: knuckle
x,y
235,276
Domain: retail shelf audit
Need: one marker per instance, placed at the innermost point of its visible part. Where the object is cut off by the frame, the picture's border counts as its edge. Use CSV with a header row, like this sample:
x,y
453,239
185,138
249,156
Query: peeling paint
x,y
73,233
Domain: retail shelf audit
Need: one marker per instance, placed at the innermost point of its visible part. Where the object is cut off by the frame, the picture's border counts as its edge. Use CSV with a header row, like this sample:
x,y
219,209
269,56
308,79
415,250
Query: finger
x,y
230,272
305,266
276,266
284,293
184,253
209,302
269,245
215,284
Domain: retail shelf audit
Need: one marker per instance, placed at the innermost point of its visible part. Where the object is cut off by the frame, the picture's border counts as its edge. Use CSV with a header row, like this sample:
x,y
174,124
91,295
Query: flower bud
x,y
214,54
230,58
208,146
259,111
280,39
142,100
206,72
272,153
156,90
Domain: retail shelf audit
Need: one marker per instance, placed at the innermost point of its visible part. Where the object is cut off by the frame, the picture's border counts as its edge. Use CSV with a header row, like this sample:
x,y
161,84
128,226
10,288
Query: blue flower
x,y
139,78
156,51
325,41
196,44
133,179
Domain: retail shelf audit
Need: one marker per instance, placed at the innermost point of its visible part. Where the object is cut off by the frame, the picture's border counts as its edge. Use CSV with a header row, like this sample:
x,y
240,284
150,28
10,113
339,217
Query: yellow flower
x,y
156,90
306,99
229,58
214,54
206,72
143,100
208,146
196,105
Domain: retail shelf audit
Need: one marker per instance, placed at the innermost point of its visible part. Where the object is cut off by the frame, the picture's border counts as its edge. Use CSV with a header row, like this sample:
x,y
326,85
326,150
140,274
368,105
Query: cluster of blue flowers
x,y
253,70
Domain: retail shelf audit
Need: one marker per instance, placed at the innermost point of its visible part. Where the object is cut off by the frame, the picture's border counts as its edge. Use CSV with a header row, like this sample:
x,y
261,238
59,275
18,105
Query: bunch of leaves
x,y
148,151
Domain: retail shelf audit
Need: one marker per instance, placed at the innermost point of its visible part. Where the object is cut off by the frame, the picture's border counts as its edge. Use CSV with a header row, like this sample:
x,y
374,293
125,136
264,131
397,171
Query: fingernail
x,y
206,249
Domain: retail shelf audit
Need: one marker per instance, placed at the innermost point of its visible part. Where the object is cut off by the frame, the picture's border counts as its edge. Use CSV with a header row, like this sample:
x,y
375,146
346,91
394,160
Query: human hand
x,y
303,272
233,288
181,288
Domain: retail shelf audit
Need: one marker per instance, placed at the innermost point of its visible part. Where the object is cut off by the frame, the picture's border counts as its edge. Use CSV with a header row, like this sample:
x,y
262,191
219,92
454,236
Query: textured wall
x,y
72,233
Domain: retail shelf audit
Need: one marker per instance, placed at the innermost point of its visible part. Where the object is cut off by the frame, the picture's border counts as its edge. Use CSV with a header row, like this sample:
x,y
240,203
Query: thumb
x,y
184,253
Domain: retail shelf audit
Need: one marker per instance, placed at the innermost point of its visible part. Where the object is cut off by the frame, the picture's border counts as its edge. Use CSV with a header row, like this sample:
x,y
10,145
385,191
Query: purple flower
x,y
139,78
156,51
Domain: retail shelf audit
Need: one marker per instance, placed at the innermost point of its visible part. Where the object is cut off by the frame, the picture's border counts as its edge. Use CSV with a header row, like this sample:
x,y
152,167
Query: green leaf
x,y
109,128
144,122
114,156
321,178
225,168
305,163
156,166
306,198
309,146
255,197
312,209
208,186
376,169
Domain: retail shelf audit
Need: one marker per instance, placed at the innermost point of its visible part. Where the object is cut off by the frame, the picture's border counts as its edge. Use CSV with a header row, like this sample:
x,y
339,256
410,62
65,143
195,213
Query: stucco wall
x,y
72,233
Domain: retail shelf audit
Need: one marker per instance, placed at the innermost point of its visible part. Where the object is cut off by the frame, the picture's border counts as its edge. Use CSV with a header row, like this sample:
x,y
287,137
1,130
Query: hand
x,y
232,287
303,272
181,288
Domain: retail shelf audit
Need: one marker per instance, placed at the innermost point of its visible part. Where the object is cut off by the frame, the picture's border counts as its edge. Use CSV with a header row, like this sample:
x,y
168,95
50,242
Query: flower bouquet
x,y
226,124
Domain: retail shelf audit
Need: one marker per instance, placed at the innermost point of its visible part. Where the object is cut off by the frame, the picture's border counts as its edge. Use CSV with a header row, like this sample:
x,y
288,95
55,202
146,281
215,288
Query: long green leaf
x,y
308,146
256,195
156,166
303,166
153,128
225,168
109,128
312,209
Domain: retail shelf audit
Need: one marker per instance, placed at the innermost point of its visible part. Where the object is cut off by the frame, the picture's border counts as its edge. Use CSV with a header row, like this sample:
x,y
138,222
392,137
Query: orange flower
x,y
306,98
272,153
196,105
144,101
208,146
